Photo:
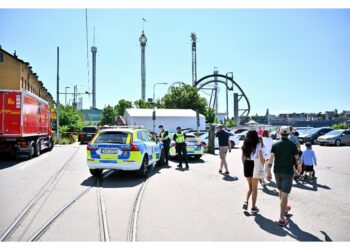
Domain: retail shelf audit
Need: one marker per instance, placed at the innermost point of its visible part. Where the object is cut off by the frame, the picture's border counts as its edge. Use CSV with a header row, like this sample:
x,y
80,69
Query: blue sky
x,y
287,60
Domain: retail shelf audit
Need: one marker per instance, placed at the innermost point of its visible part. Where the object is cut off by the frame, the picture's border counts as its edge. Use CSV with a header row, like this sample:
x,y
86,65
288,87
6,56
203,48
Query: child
x,y
308,159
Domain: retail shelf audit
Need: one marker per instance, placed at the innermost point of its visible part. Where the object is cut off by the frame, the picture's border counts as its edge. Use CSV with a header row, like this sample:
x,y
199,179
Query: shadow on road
x,y
326,237
120,179
311,186
272,192
292,230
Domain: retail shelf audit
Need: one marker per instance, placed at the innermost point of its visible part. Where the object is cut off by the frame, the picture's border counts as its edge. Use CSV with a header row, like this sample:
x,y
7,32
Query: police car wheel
x,y
144,169
161,161
96,172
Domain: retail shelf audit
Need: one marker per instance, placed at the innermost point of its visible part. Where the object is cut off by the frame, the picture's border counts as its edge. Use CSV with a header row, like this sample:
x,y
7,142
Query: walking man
x,y
164,138
224,146
284,154
179,138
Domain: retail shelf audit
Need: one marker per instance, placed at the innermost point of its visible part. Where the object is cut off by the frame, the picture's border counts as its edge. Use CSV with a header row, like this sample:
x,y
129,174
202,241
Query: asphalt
x,y
198,204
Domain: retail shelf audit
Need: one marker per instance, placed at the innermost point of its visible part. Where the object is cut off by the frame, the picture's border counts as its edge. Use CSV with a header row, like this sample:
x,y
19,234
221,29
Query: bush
x,y
340,126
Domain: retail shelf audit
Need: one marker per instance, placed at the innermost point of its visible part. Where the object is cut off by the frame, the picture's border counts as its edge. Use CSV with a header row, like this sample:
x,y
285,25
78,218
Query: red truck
x,y
25,127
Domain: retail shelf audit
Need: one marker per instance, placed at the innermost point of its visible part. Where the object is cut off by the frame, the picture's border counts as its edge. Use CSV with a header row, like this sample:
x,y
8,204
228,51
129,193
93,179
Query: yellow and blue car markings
x,y
123,157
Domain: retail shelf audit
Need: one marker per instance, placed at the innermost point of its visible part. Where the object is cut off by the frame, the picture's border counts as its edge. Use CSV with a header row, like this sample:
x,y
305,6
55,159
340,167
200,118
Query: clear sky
x,y
290,60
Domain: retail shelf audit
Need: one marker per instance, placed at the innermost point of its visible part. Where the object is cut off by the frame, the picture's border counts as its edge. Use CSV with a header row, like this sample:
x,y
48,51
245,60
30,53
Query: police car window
x,y
139,136
144,136
118,138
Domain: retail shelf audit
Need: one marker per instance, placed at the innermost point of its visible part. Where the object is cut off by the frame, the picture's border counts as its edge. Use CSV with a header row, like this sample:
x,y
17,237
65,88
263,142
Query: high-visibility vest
x,y
180,137
164,137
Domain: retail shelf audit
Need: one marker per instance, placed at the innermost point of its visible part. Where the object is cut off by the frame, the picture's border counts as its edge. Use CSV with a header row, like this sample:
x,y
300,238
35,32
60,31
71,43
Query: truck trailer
x,y
25,127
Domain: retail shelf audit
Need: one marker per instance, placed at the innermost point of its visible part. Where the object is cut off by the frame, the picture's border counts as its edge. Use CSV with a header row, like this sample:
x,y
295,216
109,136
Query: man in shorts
x,y
285,154
224,146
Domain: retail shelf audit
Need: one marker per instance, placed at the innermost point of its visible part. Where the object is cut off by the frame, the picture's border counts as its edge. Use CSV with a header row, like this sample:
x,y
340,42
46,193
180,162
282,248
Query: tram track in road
x,y
102,211
30,206
133,223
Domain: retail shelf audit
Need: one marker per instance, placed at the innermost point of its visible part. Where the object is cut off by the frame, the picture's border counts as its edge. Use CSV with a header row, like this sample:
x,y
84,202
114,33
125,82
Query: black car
x,y
311,135
86,134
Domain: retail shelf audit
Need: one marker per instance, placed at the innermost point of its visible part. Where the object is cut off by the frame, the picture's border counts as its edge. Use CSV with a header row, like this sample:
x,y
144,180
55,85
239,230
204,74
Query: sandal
x,y
283,223
245,205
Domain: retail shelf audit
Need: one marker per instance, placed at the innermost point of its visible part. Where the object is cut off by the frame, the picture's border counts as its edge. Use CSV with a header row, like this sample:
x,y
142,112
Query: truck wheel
x,y
37,148
50,147
31,150
96,172
144,169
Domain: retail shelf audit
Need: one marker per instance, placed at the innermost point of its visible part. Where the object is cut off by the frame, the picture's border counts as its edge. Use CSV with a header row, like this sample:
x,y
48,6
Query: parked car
x,y
86,134
241,136
311,135
193,145
240,130
336,137
233,138
126,149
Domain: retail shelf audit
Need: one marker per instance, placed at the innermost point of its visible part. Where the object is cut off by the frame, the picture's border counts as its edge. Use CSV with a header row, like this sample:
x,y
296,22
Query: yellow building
x,y
16,74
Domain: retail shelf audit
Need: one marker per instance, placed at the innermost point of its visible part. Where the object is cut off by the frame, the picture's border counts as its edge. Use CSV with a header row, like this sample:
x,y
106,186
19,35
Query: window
x,y
139,136
1,57
144,136
112,137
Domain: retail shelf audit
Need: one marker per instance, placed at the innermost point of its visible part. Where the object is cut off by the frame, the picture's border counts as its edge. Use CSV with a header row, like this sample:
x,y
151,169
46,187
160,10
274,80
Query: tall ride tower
x,y
143,41
194,58
93,51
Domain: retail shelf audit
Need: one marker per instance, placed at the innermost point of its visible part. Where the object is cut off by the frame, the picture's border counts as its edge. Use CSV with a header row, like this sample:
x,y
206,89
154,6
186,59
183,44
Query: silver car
x,y
336,137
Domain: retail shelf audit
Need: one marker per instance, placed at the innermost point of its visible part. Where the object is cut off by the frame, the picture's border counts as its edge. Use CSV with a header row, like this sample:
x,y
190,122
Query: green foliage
x,y
340,126
71,120
230,123
108,116
186,97
209,115
141,104
122,106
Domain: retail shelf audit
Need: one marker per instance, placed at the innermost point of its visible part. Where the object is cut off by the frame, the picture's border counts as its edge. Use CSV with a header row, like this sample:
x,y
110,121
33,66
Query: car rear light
x,y
133,147
90,148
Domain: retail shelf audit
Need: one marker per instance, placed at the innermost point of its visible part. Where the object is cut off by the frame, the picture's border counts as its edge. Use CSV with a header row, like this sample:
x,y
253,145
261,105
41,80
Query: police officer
x,y
179,138
164,138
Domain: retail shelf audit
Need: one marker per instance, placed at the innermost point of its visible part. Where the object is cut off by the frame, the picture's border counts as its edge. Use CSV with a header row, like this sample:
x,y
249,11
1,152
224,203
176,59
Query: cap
x,y
178,128
160,126
284,130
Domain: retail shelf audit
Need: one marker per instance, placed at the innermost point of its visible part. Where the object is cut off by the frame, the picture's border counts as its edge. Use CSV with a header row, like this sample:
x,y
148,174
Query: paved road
x,y
193,205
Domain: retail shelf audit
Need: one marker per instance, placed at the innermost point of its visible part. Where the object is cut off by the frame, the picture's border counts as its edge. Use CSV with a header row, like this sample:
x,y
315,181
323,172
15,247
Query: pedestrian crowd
x,y
260,157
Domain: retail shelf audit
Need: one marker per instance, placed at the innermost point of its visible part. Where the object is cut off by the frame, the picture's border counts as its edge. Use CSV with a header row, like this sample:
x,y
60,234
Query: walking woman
x,y
252,149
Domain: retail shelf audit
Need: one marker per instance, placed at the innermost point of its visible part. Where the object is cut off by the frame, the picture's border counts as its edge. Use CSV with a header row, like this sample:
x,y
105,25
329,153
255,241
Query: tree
x,y
340,126
186,97
209,115
141,104
108,116
122,106
230,123
71,120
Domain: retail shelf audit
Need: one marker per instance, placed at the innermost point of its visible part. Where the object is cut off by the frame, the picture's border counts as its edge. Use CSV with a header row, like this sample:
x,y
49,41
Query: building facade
x,y
16,74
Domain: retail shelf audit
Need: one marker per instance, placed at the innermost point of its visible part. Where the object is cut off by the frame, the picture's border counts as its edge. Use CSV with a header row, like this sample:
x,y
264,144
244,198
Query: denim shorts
x,y
284,182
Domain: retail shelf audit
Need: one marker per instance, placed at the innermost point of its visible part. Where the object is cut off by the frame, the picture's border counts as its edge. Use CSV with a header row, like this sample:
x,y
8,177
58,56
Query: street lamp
x,y
65,96
154,103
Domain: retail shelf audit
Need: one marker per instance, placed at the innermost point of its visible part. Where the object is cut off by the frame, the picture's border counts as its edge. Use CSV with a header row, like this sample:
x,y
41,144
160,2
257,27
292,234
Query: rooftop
x,y
162,112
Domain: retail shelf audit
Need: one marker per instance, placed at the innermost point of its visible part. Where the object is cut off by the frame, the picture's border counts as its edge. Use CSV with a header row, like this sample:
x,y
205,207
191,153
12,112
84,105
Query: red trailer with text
x,y
25,128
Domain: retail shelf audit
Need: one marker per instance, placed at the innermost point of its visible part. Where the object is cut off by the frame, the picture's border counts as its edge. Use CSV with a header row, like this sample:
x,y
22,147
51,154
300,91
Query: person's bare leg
x,y
254,191
249,192
221,164
225,164
284,202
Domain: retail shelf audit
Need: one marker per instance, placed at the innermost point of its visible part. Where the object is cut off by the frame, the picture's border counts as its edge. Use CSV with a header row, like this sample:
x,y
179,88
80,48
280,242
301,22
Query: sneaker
x,y
254,210
187,166
227,172
220,171
283,223
180,165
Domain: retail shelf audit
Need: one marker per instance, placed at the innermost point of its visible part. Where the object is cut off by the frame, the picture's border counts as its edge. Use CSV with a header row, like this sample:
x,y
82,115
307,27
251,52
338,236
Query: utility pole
x,y
194,59
58,98
143,41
